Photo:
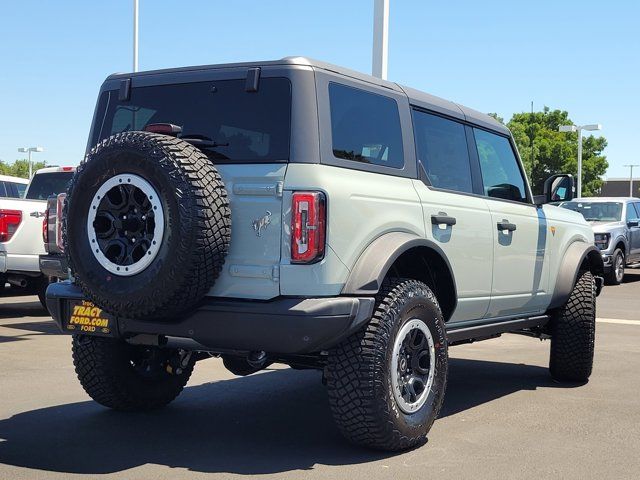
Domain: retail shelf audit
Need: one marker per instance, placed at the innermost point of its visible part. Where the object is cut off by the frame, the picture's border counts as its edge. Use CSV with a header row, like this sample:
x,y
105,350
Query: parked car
x,y
298,212
53,263
12,187
616,226
21,230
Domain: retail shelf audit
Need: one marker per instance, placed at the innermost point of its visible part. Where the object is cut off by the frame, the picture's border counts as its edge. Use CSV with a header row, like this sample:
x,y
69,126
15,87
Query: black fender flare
x,y
570,265
367,275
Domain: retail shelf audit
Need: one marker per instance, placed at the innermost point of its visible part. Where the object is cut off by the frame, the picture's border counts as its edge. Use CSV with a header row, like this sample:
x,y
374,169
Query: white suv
x,y
298,212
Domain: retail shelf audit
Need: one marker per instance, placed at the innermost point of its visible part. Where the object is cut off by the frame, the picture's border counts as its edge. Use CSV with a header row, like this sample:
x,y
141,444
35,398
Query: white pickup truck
x,y
21,228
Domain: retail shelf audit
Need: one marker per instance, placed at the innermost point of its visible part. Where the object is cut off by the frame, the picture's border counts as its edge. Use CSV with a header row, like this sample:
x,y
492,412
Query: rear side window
x,y
247,127
365,127
22,188
442,148
501,174
45,184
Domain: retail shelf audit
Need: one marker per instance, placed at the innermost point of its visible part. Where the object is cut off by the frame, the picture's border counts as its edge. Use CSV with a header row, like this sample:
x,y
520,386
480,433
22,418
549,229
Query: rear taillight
x,y
308,223
9,222
59,211
45,229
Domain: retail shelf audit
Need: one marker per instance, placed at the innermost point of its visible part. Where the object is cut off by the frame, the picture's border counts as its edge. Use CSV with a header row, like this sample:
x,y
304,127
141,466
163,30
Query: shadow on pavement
x,y
267,423
22,309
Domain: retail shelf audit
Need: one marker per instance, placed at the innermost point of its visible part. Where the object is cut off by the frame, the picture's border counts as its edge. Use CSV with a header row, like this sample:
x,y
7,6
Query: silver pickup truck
x,y
616,227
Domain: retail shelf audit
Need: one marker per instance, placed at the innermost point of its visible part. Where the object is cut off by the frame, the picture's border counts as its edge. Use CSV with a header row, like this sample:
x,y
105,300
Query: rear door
x,y
456,219
520,265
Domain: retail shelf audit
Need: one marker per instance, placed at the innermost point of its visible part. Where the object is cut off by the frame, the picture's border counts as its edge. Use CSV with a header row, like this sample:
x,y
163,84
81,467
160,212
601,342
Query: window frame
x,y
323,79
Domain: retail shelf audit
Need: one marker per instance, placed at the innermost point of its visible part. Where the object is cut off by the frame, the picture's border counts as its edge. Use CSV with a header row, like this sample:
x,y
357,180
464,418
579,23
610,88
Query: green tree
x,y
20,168
546,151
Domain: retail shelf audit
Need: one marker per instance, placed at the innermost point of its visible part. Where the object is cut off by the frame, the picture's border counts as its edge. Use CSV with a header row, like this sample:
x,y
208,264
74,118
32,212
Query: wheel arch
x,y
578,256
403,254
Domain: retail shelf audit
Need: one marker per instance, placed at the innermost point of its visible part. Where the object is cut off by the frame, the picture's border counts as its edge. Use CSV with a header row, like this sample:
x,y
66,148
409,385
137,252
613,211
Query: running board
x,y
491,330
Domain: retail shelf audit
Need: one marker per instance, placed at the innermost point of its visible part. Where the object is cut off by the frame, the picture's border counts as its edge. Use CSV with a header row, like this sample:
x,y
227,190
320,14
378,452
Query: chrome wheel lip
x,y
403,404
158,231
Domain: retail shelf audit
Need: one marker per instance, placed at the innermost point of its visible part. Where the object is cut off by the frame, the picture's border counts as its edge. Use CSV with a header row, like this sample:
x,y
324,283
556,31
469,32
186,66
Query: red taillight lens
x,y
9,222
308,224
59,211
45,229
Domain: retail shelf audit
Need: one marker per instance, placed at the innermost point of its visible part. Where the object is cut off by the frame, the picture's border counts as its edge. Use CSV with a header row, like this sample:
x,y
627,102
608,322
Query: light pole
x,y
380,38
135,35
29,150
631,178
579,129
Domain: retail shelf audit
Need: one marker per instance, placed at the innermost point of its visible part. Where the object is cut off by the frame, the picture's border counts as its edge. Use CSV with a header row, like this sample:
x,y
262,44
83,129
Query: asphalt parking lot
x,y
503,417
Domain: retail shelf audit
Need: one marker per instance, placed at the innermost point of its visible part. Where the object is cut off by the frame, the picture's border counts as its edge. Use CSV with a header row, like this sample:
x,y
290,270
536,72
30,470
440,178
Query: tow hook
x,y
177,363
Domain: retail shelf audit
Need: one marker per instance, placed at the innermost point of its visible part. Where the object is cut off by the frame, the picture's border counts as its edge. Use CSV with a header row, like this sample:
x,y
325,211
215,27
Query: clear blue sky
x,y
583,57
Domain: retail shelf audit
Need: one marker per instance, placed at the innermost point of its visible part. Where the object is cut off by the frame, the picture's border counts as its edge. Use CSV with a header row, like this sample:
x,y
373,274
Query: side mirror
x,y
557,188
633,223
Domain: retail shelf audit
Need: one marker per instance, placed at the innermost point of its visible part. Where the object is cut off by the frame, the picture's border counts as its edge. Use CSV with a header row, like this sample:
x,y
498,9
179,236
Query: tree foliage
x,y
546,151
20,168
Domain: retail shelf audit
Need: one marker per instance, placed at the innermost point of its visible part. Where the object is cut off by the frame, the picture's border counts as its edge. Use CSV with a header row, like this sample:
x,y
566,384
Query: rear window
x,y
247,126
45,184
365,127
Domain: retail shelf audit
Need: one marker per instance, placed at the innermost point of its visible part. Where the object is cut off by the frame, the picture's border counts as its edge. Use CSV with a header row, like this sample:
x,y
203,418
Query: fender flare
x,y
368,273
573,259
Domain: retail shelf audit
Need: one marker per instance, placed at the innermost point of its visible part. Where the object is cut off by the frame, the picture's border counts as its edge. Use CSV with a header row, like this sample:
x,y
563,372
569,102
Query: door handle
x,y
443,219
506,225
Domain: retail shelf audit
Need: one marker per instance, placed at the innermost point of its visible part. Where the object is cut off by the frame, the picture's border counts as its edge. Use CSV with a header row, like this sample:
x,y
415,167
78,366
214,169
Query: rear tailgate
x,y
25,243
251,269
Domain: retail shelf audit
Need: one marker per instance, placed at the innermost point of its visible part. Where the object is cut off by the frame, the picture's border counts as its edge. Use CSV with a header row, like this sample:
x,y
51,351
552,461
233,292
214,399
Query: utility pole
x,y
135,35
380,38
631,178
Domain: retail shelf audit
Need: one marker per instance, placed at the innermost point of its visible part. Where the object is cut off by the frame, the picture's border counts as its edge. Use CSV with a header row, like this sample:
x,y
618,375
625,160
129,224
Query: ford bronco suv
x,y
297,212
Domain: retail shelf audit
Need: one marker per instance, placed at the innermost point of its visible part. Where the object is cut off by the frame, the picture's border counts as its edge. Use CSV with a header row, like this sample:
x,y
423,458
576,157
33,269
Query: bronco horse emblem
x,y
261,223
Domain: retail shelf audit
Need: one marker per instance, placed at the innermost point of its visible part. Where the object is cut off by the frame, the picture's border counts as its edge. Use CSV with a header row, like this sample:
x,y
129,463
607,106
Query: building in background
x,y
619,187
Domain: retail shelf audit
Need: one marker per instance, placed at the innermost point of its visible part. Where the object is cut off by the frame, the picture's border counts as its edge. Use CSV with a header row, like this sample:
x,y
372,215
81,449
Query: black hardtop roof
x,y
416,97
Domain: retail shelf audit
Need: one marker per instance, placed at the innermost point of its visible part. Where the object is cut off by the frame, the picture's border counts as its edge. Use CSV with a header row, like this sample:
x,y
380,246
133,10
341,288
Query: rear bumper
x,y
54,266
283,325
11,262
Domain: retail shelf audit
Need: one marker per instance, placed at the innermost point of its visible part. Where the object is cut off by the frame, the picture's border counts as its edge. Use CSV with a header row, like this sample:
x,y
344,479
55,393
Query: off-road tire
x,y
610,277
358,371
573,330
197,226
104,368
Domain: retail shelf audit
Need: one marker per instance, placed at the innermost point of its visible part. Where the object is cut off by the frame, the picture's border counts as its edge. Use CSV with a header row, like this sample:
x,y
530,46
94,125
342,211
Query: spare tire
x,y
147,225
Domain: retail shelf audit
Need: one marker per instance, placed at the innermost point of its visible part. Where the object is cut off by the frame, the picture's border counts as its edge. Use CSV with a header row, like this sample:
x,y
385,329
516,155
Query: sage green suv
x,y
297,212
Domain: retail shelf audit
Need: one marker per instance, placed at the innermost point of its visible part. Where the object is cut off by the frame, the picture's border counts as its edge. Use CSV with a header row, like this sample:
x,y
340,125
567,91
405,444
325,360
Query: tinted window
x,y
597,211
46,184
442,149
3,190
501,174
247,126
22,188
631,212
365,127
12,189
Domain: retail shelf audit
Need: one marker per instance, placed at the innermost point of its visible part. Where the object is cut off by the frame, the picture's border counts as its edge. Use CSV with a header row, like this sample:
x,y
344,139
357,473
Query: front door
x,y
520,266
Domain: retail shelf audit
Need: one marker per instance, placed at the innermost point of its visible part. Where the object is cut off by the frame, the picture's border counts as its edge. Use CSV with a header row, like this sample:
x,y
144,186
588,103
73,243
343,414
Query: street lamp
x,y
29,150
579,129
631,178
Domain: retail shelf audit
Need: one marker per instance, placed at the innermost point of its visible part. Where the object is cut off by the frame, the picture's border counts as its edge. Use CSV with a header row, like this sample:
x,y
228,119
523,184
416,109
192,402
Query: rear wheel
x,y
615,276
573,330
129,377
386,383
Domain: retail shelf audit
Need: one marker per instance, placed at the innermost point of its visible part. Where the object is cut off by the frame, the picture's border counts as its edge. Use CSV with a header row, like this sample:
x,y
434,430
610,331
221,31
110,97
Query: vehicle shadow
x,y
272,422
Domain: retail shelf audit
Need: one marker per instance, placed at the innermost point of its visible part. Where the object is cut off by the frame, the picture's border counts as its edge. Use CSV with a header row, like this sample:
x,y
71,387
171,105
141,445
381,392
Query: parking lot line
x,y
618,320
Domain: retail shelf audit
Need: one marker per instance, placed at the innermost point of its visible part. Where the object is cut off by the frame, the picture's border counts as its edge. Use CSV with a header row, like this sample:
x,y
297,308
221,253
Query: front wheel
x,y
615,276
573,331
129,377
386,383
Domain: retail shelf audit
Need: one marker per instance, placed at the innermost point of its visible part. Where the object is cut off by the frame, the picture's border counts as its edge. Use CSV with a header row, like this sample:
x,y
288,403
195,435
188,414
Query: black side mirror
x,y
633,223
557,188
